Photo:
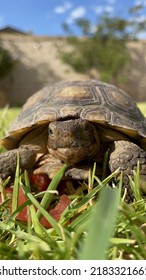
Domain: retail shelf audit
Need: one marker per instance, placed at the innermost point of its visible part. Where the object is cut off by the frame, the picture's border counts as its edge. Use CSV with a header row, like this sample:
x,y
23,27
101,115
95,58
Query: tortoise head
x,y
72,140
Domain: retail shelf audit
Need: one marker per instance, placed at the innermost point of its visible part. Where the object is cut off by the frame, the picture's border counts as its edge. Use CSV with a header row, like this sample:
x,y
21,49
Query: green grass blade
x,y
41,209
16,186
44,213
101,225
135,183
105,163
2,188
47,198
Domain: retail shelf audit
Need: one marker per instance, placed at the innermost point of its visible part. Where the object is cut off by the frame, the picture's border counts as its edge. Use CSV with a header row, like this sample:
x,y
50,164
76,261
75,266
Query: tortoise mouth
x,y
74,155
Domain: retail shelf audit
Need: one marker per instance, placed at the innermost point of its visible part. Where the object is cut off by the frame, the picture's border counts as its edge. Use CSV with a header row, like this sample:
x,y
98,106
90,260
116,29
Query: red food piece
x,y
40,181
9,191
23,215
57,211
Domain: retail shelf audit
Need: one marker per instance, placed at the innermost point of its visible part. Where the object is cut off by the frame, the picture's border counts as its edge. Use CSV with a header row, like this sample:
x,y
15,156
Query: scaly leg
x,y
125,155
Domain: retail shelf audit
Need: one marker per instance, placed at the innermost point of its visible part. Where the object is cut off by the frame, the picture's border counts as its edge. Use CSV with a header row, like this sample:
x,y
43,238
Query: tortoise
x,y
76,122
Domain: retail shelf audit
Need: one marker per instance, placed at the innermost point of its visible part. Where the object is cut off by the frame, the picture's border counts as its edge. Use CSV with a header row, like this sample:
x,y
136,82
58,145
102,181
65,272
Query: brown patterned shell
x,y
92,100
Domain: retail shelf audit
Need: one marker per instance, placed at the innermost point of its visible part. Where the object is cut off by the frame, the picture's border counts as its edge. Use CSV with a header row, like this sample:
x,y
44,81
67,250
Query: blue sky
x,y
45,17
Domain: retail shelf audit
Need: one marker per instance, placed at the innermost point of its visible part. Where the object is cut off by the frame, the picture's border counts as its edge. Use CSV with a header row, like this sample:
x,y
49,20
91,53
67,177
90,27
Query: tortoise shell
x,y
92,100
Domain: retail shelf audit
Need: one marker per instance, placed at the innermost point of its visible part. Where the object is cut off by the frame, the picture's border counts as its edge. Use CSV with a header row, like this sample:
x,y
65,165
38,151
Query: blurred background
x,y
45,41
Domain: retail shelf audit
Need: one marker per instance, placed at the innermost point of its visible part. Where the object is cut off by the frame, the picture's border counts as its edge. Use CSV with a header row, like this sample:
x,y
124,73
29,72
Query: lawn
x,y
142,107
97,224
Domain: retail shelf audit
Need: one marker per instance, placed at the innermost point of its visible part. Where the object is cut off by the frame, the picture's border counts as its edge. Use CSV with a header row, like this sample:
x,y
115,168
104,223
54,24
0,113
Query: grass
x,y
142,107
98,224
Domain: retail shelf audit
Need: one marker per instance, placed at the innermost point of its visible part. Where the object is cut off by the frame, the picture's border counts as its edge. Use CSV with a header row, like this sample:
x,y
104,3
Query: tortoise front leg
x,y
50,166
8,161
125,155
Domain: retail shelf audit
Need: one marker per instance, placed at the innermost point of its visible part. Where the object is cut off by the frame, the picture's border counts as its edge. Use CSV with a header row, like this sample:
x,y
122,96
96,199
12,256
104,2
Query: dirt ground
x,y
39,64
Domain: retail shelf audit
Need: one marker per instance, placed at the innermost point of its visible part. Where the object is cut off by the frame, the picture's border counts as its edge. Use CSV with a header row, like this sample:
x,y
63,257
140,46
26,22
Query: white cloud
x,y
140,2
76,13
140,18
99,10
108,9
62,9
111,1
103,9
59,10
2,20
141,35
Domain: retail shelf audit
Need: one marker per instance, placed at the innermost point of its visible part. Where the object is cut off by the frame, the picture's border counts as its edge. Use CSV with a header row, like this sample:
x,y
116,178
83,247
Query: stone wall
x,y
39,64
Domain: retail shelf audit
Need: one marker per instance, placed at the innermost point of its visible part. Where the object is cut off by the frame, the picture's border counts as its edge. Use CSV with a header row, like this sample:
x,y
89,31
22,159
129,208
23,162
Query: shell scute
x,y
92,100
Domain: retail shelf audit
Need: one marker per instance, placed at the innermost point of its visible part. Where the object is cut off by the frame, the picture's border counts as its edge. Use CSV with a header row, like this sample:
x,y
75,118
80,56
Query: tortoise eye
x,y
87,127
50,131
